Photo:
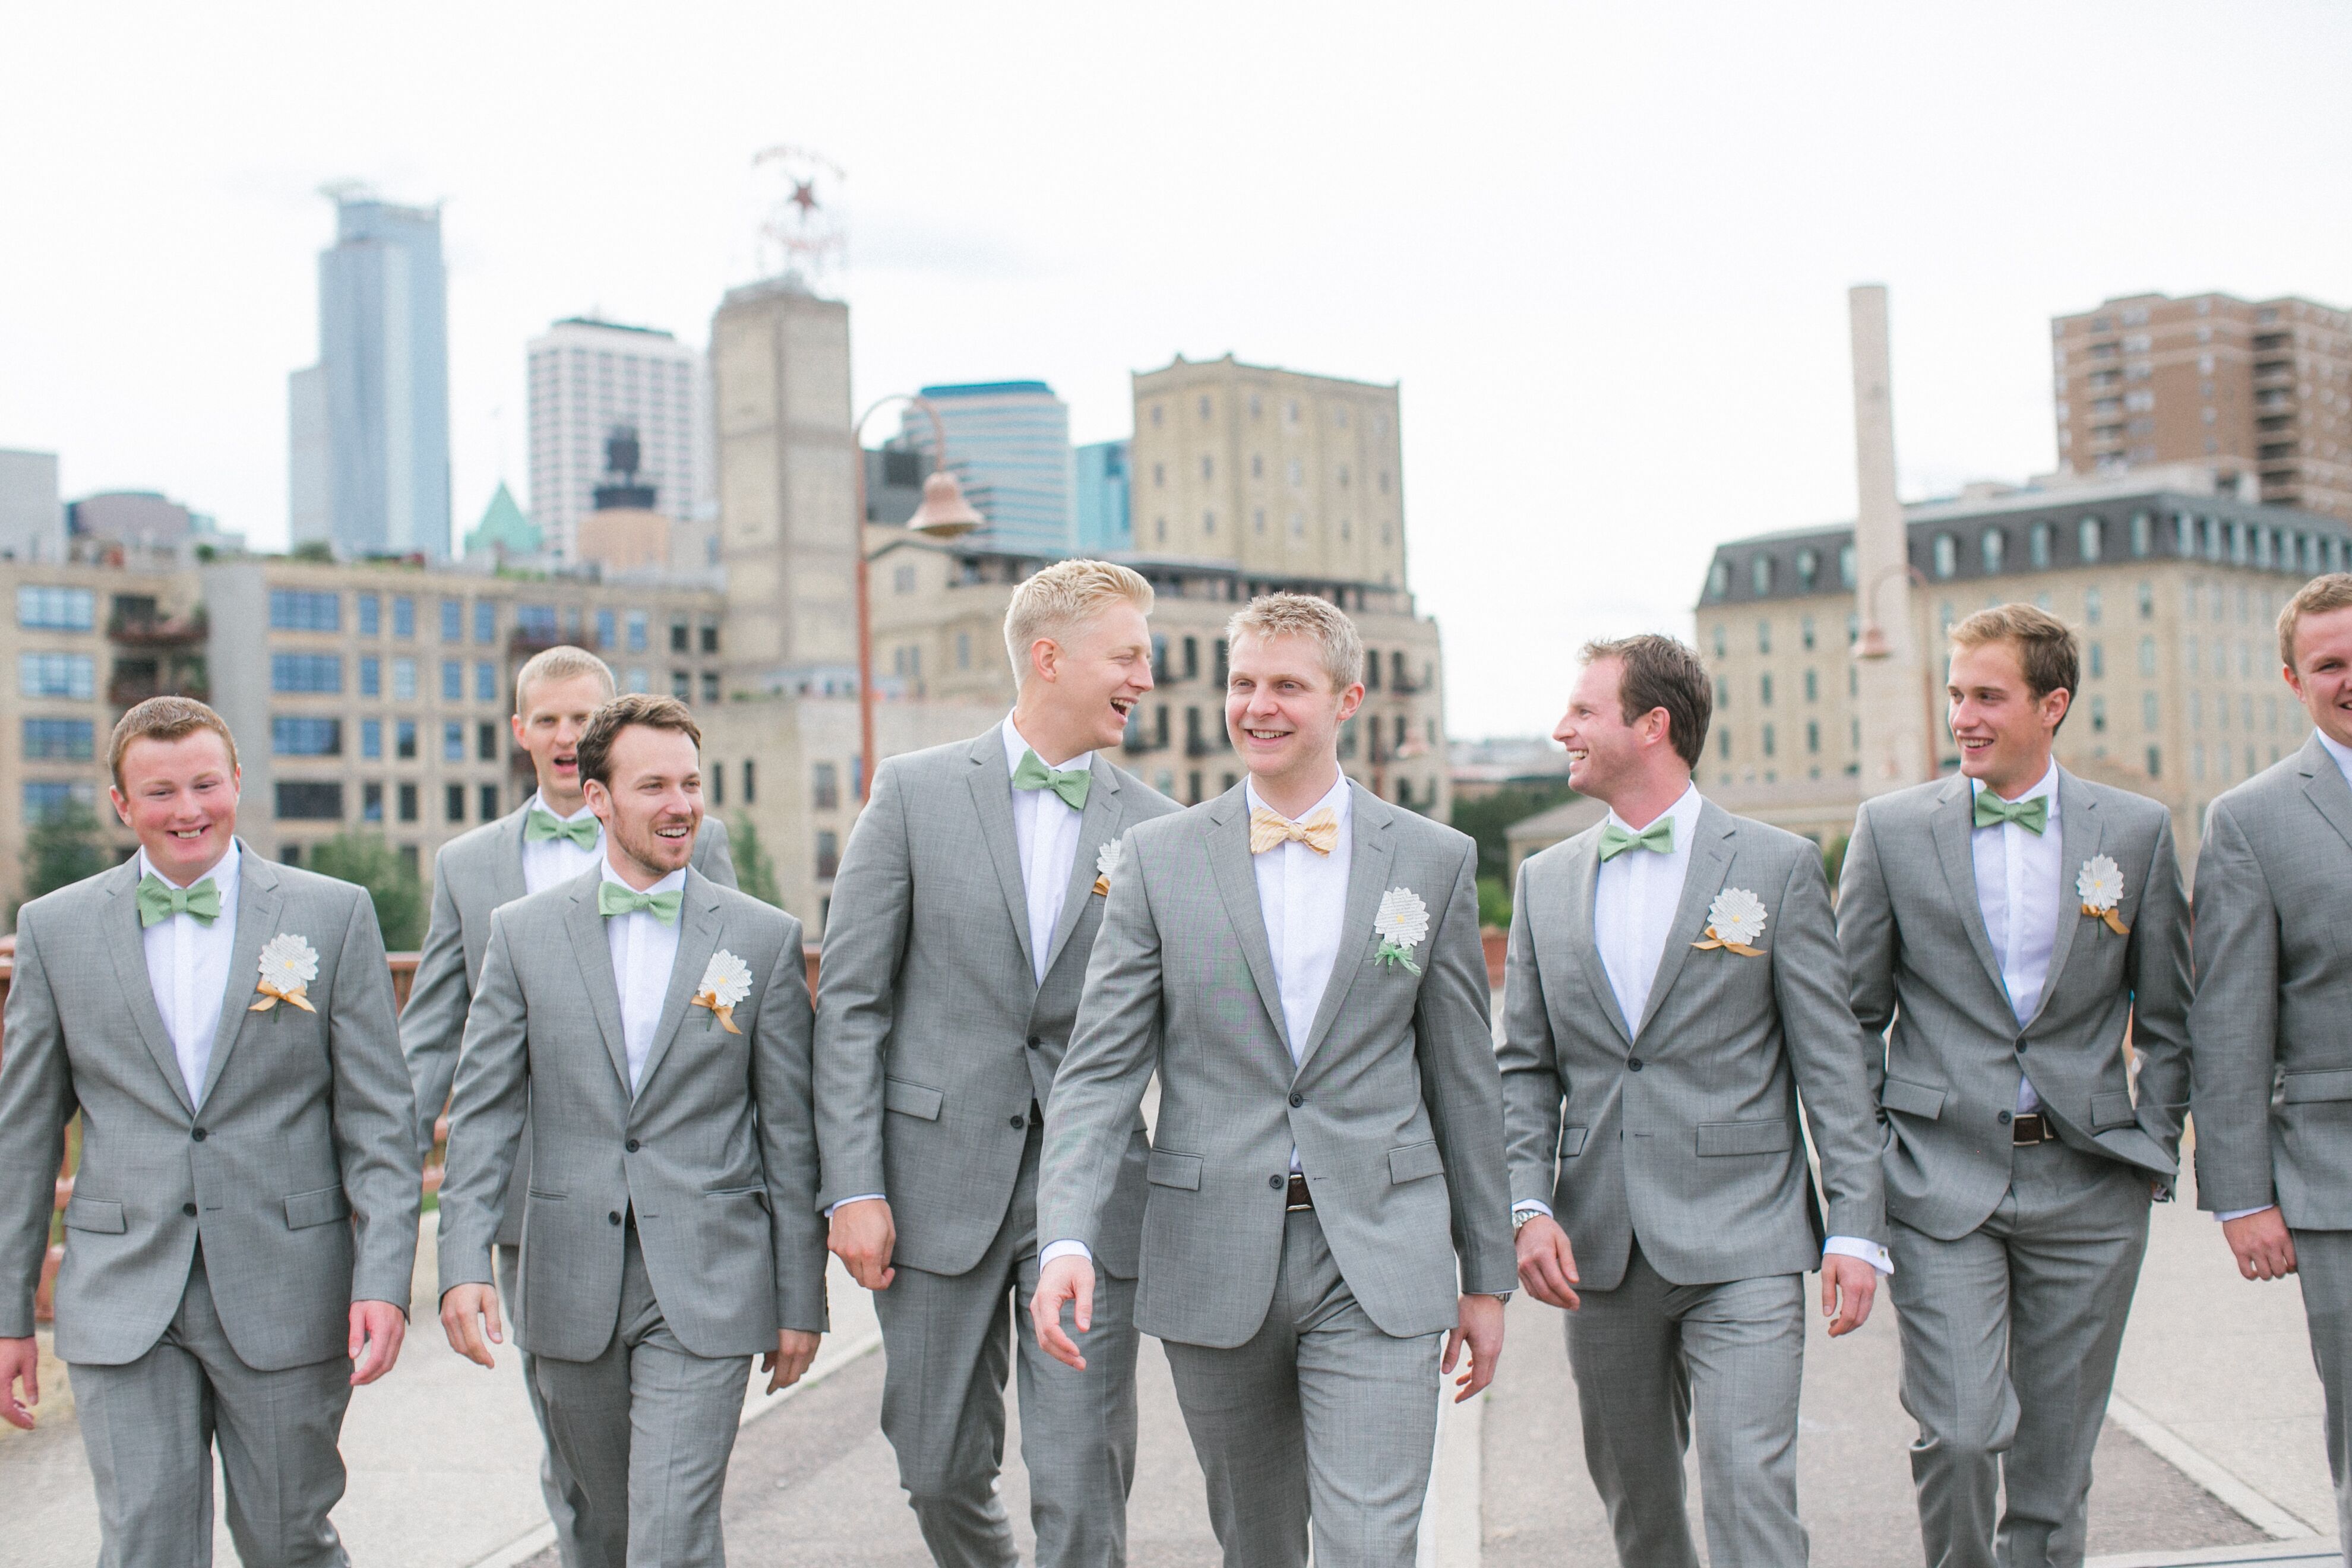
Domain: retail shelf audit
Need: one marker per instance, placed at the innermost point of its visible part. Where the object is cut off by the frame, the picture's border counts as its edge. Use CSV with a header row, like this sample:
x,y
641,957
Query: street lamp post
x,y
1871,643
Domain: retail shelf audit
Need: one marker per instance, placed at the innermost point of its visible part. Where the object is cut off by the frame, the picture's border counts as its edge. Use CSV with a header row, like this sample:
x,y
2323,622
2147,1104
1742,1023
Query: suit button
x,y
1274,1181
1632,1064
1296,1101
2021,1047
198,1135
2002,1118
188,1209
1035,1044
1019,1123
631,1145
614,1216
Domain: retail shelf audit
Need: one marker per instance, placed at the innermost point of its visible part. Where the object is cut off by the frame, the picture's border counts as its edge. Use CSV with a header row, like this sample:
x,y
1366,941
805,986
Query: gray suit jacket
x,y
1395,1109
1916,945
2271,1027
1682,1127
716,1152
472,875
296,1168
933,1037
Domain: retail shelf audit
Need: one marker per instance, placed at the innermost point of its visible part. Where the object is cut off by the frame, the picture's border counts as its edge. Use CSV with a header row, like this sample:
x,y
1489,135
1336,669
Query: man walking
x,y
658,1025
553,837
1299,963
954,953
244,1219
2016,923
2273,903
1673,986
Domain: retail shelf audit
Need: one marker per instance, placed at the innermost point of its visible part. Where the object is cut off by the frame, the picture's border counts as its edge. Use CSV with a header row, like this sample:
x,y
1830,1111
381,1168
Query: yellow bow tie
x,y
1319,832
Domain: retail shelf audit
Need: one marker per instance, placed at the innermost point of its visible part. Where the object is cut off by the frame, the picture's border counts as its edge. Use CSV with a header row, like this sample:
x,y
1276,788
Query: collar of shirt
x,y
2340,751
1634,897
535,802
1684,811
1340,798
2019,897
224,873
1045,837
675,879
2047,786
1014,745
643,951
188,970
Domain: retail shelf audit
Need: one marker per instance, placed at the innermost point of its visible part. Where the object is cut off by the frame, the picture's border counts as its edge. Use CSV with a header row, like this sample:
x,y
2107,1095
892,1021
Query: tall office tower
x,y
589,376
380,392
2260,389
1104,526
32,523
1009,444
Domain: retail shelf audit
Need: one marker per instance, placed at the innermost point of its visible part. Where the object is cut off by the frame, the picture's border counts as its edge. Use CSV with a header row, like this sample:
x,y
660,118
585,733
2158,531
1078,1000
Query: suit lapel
x,y
1229,862
2080,831
1583,874
260,897
1710,860
697,939
1105,814
593,954
508,861
2325,787
126,944
992,796
1369,853
1949,825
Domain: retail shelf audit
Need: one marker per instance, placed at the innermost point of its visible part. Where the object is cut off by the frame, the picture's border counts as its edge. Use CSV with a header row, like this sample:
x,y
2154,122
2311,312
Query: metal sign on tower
x,y
801,230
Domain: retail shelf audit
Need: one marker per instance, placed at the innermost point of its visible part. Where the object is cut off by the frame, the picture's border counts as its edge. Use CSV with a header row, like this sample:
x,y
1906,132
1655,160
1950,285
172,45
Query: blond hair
x,y
562,662
1304,616
2317,597
2046,650
164,718
1063,598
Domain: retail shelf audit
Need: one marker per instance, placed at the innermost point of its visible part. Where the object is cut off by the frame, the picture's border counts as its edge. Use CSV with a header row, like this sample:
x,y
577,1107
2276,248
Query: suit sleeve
x,y
1831,1053
37,1100
486,1114
434,1023
858,979
782,1088
374,1113
2233,1024
710,853
1867,936
1455,1042
1534,1085
2157,962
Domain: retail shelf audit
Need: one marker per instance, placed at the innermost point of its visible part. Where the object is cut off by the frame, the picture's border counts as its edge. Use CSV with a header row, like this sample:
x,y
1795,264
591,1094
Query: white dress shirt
x,y
188,968
1045,826
645,950
2018,893
553,860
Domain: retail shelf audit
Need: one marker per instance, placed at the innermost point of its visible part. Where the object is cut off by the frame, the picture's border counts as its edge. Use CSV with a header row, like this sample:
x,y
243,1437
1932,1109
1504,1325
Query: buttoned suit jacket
x,y
1394,1104
472,875
715,1153
1682,1126
933,1035
1919,956
295,1168
2272,1027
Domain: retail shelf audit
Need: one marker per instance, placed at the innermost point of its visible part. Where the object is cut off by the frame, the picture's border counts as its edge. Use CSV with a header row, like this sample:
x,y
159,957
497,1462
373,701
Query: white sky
x,y
1604,248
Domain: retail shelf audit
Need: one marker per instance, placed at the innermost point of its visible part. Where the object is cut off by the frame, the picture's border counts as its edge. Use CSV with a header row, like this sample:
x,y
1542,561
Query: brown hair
x,y
562,662
2045,646
1320,621
637,707
2317,597
1660,672
164,718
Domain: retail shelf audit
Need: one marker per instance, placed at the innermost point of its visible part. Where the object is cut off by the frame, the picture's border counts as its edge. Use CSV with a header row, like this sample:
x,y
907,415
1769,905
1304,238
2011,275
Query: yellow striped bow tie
x,y
1319,832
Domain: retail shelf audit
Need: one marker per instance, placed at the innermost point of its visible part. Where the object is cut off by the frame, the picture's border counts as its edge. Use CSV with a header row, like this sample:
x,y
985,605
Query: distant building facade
x,y
1009,446
587,377
32,519
1100,499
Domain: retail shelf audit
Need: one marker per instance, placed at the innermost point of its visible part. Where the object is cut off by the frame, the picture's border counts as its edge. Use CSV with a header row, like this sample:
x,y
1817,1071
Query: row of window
x,y
52,609
1296,471
304,610
1290,412
320,800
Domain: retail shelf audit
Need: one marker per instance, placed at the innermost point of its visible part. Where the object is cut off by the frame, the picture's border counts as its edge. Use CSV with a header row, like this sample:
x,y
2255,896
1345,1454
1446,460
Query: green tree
x,y
397,892
1494,903
1488,818
63,848
755,874
1833,859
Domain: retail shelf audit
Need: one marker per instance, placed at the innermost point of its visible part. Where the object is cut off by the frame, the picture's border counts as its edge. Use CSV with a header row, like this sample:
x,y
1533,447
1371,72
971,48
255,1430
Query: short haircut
x,y
1320,621
2046,648
1660,672
560,663
164,718
639,708
2317,597
1063,598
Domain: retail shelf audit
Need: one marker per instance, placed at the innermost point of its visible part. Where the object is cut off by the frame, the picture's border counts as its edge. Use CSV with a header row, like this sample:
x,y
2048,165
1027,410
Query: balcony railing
x,y
157,631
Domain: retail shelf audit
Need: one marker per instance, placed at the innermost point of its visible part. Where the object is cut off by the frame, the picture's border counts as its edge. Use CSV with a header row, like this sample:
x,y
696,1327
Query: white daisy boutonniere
x,y
1403,924
1107,864
2101,884
288,965
1734,922
726,980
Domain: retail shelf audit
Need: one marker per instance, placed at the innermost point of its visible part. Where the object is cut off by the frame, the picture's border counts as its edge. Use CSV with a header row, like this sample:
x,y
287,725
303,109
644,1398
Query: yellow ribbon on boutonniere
x,y
288,965
1107,864
726,980
2101,884
1733,922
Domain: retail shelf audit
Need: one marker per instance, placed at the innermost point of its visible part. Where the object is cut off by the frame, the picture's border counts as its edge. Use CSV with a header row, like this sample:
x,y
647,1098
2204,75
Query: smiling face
x,y
2005,732
1082,687
1605,753
1284,713
553,714
2322,676
652,806
180,797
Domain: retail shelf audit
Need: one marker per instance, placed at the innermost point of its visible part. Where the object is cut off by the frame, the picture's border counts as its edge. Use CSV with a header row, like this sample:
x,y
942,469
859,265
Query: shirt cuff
x,y
1531,1206
1870,1252
2226,1216
1065,1249
860,1198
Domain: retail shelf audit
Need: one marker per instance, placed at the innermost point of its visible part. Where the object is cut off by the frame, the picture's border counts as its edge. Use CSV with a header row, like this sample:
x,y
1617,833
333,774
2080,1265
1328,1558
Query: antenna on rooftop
x,y
801,227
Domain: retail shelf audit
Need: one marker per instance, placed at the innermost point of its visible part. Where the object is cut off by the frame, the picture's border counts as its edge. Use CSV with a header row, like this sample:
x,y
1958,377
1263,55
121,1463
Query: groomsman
x,y
954,953
1674,985
2017,923
2273,903
244,1219
553,837
1299,963
669,1229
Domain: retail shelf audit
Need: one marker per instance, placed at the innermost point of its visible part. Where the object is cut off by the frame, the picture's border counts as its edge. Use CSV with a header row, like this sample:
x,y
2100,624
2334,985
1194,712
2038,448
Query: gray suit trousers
x,y
1644,1354
556,1483
1319,1419
645,1430
2010,1338
951,1340
150,1426
2323,1261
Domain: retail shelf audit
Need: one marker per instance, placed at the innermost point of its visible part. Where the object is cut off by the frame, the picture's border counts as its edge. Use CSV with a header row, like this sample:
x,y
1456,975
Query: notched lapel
x,y
992,796
126,944
2325,787
1104,820
1711,859
2080,832
696,943
1229,862
594,956
1949,825
1371,848
1583,878
259,901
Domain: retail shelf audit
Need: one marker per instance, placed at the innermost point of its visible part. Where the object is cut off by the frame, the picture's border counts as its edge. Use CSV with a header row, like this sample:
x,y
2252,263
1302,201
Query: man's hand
x,y
2265,1250
1480,1326
1071,1278
1547,1263
862,1236
469,1316
378,1329
1848,1285
788,1362
20,1362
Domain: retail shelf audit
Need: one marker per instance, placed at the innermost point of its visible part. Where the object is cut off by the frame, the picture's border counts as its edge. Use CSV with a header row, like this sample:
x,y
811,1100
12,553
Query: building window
x,y
2098,715
44,796
453,803
2090,539
404,740
371,738
56,609
372,802
638,625
1993,551
1946,555
371,676
1809,566
408,802
291,610
681,685
2098,660
1813,686
681,635
301,672
485,743
73,675
1767,740
963,650
1845,565
300,735
1718,579
2143,532
1812,736
1763,636
750,783
828,854
453,620
2037,545
485,681
825,788
2092,606
1759,575
2148,601
1764,687
404,617
490,794
535,623
710,687
453,680
638,679
1805,633
485,620
452,741
403,680
2148,655
59,739
605,624
309,801
1723,745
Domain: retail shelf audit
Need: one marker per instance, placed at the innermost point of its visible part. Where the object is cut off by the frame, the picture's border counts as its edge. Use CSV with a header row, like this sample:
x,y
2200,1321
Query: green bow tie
x,y
159,901
2032,815
613,899
542,824
1070,784
1659,835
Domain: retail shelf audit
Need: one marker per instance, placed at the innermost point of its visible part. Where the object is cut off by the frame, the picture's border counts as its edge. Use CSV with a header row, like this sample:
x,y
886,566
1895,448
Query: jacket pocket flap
x,y
1571,1141
2330,1083
1414,1162
2116,1111
95,1215
1768,1137
321,1207
1167,1170
911,1099
1912,1098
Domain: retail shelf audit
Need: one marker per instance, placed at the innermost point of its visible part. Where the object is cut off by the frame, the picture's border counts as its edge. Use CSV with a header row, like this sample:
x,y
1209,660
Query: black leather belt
x,y
2031,1127
1301,1198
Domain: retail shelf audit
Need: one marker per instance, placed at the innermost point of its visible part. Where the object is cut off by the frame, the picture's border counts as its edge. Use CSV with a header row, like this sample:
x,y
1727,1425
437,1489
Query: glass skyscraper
x,y
1104,527
1009,446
